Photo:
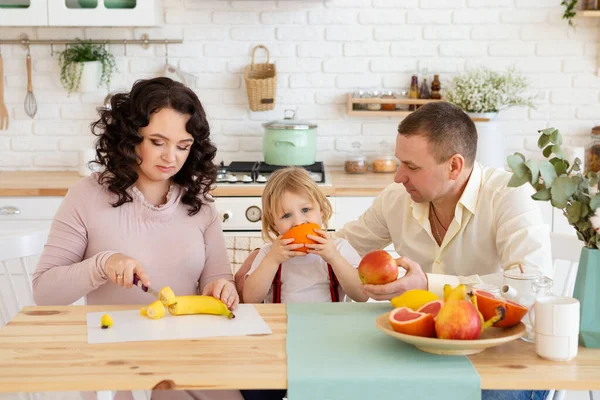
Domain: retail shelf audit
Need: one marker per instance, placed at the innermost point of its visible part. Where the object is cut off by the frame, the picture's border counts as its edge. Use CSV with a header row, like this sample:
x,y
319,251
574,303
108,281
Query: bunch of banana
x,y
186,305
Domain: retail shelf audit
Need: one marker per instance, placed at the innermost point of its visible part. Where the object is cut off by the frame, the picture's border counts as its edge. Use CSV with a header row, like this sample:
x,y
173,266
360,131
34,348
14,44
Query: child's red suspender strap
x,y
333,286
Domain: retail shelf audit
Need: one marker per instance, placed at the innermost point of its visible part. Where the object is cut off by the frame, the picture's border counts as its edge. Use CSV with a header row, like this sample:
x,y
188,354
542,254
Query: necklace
x,y
435,224
438,218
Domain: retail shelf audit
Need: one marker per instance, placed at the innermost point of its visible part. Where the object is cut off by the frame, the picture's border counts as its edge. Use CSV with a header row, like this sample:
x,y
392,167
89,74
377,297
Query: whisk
x,y
30,102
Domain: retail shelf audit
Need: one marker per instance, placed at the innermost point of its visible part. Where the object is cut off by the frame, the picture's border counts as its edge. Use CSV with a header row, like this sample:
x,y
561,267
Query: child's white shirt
x,y
305,279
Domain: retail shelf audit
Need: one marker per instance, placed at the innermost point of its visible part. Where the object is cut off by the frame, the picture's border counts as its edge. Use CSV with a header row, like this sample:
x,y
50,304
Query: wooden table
x,y
46,349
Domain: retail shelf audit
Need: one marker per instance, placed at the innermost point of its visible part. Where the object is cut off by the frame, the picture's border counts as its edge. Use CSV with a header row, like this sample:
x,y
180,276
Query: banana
x,y
144,311
166,296
155,310
500,313
186,305
106,321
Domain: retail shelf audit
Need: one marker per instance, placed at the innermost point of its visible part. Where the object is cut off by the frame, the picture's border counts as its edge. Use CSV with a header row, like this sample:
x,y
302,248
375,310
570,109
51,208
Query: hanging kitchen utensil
x,y
30,102
261,83
175,73
3,110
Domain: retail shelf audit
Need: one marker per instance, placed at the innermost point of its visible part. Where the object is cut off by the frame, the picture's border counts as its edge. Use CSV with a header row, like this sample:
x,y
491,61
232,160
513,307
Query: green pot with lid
x,y
290,141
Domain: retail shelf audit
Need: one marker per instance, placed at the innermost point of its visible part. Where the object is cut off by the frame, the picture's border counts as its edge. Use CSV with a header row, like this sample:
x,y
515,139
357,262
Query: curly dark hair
x,y
118,134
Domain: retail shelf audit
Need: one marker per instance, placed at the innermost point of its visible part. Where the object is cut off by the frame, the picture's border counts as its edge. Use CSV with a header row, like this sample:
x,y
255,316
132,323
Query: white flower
x,y
484,90
595,220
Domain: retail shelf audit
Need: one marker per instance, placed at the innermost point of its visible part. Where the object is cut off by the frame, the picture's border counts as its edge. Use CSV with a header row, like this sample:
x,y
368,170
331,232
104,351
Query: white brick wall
x,y
323,50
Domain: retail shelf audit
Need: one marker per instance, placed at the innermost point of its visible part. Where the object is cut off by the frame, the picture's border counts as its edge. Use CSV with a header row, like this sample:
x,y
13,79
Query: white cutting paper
x,y
130,326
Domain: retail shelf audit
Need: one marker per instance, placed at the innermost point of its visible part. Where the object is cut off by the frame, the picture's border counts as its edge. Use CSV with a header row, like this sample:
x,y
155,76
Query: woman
x,y
148,213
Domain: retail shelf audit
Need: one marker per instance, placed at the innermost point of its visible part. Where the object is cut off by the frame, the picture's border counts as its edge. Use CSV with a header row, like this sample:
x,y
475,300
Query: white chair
x,y
18,256
16,269
566,250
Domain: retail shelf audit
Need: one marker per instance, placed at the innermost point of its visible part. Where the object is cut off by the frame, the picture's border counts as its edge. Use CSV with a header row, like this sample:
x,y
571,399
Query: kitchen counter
x,y
56,183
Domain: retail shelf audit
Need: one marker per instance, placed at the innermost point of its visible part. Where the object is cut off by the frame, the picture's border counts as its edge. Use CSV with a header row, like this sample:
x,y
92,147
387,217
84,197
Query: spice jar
x,y
356,163
388,106
592,151
374,106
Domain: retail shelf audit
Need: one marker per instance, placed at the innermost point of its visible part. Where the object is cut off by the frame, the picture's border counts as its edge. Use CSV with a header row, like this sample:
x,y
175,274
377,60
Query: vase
x,y
587,285
490,144
483,116
90,76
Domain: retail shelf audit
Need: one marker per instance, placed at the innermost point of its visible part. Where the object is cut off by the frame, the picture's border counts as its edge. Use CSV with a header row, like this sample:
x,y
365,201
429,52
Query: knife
x,y
138,282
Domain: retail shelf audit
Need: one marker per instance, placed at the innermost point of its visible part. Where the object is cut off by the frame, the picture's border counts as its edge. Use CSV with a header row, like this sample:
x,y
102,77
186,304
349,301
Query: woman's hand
x,y
223,290
282,250
120,269
325,247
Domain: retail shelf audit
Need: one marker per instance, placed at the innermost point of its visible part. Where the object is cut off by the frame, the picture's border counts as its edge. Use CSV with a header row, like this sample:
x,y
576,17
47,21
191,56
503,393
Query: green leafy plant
x,y
482,90
569,10
71,67
562,183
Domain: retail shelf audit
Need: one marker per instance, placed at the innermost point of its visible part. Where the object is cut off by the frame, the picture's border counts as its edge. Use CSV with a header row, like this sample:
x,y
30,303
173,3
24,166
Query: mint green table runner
x,y
335,352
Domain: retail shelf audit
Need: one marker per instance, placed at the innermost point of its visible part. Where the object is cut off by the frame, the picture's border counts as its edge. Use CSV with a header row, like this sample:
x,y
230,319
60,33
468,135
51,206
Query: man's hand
x,y
415,278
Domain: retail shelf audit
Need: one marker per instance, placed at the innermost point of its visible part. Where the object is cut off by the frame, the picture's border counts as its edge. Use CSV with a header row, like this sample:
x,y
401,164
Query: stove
x,y
258,173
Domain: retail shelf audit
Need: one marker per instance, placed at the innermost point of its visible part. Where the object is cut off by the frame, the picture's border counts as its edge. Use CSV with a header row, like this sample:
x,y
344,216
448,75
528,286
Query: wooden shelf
x,y
589,13
396,113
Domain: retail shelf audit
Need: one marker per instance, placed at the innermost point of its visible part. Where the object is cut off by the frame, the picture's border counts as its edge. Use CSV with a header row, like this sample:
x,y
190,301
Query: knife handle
x,y
138,282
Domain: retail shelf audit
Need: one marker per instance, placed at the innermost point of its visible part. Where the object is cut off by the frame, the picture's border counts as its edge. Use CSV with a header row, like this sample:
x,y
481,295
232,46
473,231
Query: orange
x,y
299,232
404,320
487,303
433,307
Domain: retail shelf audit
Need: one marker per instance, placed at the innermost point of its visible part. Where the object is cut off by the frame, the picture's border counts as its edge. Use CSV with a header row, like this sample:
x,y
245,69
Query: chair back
x,y
18,256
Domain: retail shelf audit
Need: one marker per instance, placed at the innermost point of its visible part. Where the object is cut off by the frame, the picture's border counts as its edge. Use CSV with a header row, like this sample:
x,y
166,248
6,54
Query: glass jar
x,y
389,95
542,287
356,163
384,163
359,94
374,106
592,151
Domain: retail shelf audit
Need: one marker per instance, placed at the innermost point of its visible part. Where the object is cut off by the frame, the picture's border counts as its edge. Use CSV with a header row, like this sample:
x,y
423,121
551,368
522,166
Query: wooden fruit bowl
x,y
489,338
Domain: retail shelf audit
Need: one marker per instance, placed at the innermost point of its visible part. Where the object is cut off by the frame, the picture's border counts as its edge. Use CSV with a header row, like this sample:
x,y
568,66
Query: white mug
x,y
555,320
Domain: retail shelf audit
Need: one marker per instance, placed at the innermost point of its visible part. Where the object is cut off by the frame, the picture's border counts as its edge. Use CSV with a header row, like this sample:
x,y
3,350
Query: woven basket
x,y
261,83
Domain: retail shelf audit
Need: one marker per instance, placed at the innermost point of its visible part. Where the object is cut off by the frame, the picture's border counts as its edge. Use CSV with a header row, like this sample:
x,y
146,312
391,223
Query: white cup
x,y
555,320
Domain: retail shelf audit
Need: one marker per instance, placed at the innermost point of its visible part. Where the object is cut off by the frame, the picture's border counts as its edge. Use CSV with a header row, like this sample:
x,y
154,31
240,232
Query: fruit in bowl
x,y
404,320
299,234
413,299
377,267
487,304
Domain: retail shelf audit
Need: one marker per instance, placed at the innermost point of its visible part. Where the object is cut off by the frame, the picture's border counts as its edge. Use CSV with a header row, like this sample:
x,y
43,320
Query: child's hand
x,y
282,250
325,247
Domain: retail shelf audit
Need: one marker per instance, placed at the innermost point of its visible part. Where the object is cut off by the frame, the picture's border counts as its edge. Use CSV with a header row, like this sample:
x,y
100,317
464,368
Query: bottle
x,y
592,152
436,87
413,92
590,5
424,92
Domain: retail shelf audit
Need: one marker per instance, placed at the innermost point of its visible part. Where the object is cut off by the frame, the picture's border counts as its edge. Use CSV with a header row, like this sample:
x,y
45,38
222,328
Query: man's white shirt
x,y
494,228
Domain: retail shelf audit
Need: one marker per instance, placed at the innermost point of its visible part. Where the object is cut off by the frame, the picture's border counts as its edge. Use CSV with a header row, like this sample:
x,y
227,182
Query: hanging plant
x,y
569,10
71,63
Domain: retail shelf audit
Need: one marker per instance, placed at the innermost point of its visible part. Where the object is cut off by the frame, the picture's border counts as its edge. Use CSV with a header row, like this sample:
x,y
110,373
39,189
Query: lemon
x,y
106,321
413,299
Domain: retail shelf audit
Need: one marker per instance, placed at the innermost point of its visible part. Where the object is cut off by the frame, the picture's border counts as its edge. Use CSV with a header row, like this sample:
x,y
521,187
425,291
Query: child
x,y
327,273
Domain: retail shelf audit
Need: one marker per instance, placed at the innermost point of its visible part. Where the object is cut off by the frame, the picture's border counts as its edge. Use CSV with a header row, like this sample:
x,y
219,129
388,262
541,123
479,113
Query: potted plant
x,y
482,93
575,193
85,66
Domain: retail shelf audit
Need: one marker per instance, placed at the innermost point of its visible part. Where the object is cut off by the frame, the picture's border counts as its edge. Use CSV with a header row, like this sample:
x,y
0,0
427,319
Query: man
x,y
452,220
